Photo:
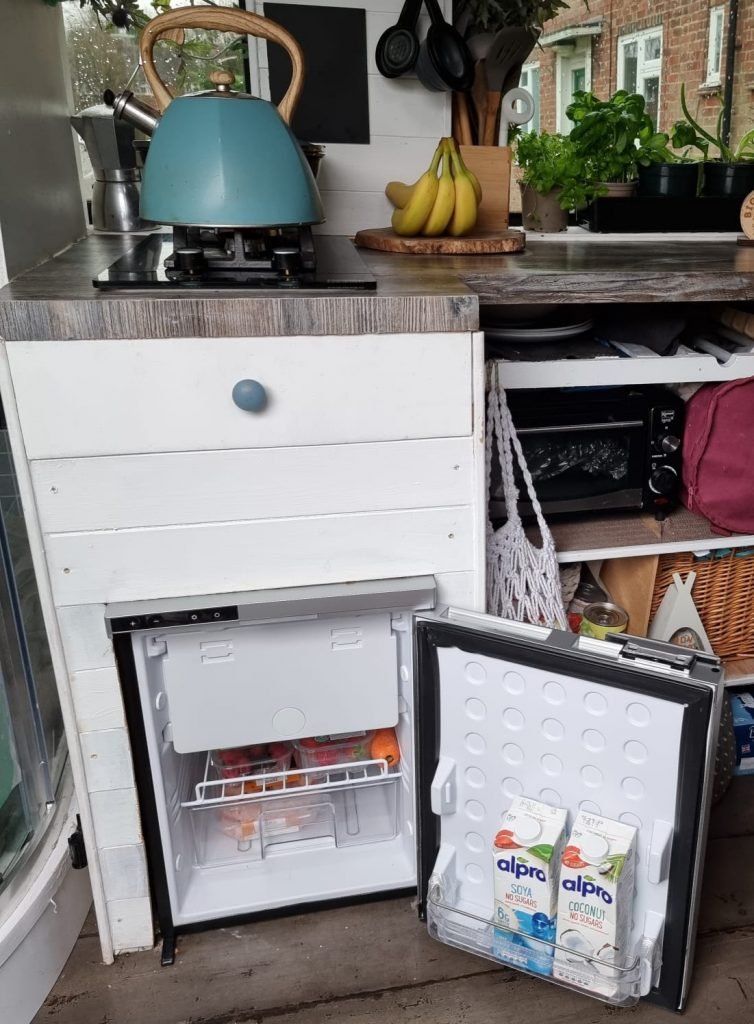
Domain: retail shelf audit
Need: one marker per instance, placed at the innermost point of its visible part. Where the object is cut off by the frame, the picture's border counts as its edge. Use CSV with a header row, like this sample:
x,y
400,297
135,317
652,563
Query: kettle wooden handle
x,y
221,19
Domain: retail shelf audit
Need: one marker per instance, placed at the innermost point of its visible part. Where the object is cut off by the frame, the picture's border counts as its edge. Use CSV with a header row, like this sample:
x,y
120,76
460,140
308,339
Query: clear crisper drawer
x,y
617,983
258,816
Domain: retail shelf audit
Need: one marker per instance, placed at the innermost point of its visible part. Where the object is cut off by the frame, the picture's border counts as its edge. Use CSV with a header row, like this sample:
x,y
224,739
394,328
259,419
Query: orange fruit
x,y
385,747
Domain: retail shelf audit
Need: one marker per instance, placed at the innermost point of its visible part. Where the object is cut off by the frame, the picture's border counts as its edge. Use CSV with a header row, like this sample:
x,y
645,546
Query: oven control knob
x,y
190,260
663,481
670,444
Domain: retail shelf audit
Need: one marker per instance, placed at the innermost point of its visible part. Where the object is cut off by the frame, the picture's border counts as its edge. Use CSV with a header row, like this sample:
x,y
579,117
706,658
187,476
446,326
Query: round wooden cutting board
x,y
386,240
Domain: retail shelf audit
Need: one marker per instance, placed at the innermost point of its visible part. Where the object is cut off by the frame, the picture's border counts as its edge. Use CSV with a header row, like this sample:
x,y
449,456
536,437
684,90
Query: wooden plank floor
x,y
374,963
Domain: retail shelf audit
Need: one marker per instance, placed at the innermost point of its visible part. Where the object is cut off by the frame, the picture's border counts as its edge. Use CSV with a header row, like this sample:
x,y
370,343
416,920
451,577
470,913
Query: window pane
x,y
630,66
530,81
716,44
653,48
578,80
651,92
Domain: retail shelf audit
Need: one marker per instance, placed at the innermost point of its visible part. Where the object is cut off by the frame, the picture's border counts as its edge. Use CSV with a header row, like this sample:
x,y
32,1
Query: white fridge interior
x,y
297,663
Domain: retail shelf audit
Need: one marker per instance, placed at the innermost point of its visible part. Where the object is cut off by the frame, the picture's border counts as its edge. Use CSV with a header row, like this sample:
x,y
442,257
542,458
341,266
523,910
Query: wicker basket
x,y
723,595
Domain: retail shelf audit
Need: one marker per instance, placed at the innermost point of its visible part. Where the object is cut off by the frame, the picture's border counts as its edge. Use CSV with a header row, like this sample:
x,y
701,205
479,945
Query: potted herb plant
x,y
663,173
554,179
730,172
607,135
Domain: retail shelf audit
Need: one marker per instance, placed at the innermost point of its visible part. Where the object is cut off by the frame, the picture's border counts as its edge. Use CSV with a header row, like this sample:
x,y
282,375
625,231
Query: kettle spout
x,y
127,108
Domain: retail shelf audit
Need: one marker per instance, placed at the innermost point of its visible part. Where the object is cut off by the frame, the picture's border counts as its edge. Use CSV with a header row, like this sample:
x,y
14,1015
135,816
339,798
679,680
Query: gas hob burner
x,y
276,258
240,258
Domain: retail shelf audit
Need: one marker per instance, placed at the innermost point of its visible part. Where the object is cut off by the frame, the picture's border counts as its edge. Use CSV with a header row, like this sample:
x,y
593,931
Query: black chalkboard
x,y
334,105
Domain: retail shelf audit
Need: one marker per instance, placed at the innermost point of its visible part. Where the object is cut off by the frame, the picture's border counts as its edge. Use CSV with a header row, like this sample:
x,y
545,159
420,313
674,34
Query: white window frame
x,y
644,68
566,62
530,126
715,55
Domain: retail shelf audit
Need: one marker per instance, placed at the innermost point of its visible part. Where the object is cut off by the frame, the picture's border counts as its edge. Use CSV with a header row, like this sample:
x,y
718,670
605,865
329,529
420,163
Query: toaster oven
x,y
592,450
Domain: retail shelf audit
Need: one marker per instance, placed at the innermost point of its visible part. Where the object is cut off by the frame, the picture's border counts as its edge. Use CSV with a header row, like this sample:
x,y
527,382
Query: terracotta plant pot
x,y
542,212
617,189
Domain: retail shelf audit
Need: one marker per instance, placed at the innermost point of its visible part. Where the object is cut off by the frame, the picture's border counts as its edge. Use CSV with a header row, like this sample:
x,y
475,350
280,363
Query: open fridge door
x,y
624,730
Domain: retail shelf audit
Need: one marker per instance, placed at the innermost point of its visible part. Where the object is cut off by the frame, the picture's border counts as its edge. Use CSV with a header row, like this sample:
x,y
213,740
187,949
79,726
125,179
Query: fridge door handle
x,y
443,791
658,860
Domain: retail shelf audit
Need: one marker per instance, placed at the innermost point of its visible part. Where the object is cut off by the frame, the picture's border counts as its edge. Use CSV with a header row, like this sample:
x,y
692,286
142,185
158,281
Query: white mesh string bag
x,y
523,582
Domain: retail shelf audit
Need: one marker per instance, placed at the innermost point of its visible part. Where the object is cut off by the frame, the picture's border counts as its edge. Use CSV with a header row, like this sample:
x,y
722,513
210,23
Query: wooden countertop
x,y
415,293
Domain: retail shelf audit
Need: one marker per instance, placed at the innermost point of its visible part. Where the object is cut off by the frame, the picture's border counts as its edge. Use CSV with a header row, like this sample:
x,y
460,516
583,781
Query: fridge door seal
x,y
689,683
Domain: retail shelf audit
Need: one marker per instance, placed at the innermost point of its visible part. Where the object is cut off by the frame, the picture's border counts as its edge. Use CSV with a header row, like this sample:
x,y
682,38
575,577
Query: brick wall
x,y
685,26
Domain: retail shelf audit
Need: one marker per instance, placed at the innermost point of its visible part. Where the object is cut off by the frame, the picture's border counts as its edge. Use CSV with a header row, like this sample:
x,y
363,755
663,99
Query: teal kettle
x,y
220,158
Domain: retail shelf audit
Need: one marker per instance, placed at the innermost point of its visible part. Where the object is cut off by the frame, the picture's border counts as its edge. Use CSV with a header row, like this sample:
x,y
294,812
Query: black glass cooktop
x,y
338,266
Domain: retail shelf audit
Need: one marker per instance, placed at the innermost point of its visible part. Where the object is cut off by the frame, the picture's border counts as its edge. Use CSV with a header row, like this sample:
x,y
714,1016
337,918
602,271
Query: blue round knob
x,y
250,395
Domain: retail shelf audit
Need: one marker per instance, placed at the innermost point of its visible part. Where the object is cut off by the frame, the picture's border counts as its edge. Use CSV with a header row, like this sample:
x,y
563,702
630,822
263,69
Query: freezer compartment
x,y
619,984
255,817
277,666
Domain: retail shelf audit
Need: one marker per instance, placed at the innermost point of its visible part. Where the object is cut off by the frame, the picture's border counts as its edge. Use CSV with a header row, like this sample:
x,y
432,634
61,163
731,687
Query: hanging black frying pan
x,y
444,61
398,46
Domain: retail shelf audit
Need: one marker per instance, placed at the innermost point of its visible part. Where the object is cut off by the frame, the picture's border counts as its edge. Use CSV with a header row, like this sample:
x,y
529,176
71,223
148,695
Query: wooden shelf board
x,y
627,534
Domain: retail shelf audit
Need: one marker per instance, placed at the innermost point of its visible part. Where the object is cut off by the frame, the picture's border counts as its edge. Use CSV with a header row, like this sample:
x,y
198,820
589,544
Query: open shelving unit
x,y
628,534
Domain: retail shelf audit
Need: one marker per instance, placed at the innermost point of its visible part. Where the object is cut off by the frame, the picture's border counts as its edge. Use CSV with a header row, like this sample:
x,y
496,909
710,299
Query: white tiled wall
x,y
406,120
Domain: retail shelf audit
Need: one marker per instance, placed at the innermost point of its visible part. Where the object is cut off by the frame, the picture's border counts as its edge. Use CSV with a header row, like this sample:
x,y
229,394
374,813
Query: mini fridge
x,y
483,710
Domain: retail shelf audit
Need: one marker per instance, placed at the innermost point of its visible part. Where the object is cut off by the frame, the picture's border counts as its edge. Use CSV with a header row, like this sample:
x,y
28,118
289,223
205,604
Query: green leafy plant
x,y
125,13
615,136
491,15
551,162
689,133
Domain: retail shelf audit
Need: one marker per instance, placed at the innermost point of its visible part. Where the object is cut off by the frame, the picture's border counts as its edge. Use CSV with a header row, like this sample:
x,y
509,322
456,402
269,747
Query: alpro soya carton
x,y
527,855
595,903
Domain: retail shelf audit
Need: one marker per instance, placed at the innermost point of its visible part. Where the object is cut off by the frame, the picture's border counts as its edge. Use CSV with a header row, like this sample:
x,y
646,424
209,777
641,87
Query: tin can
x,y
602,618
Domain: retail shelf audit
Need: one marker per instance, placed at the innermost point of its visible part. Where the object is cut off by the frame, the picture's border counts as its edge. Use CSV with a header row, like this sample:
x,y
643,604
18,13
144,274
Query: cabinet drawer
x,y
121,397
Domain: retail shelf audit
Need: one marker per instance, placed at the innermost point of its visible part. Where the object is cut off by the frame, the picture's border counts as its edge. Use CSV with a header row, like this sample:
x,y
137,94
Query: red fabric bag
x,y
718,455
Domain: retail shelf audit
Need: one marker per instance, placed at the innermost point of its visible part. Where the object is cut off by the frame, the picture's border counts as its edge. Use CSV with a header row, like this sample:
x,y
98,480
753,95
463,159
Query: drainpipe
x,y
730,67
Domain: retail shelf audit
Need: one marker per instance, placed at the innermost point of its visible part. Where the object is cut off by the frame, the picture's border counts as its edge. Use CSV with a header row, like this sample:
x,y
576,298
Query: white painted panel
x,y
457,590
208,487
399,108
107,759
85,640
97,699
349,212
123,397
369,168
124,871
116,817
131,924
128,565
403,107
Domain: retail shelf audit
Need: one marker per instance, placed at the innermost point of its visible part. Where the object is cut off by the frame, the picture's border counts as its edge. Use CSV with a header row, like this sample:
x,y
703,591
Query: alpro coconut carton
x,y
527,856
595,903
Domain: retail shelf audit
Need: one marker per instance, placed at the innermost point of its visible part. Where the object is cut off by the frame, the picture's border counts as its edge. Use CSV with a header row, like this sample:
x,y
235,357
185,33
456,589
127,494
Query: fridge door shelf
x,y
255,817
617,984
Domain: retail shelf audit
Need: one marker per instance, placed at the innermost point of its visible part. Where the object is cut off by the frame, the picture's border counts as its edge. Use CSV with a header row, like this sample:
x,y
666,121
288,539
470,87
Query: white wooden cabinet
x,y
142,479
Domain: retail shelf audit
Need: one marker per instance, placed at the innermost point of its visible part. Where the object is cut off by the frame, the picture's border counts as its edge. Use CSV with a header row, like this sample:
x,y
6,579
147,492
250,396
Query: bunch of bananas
x,y
438,203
